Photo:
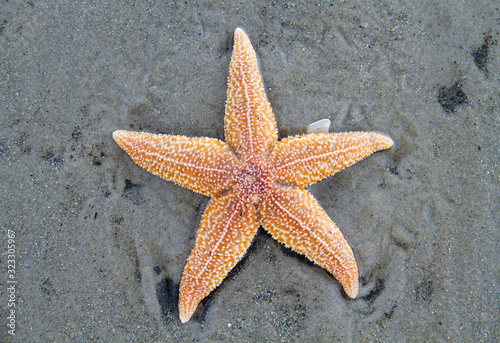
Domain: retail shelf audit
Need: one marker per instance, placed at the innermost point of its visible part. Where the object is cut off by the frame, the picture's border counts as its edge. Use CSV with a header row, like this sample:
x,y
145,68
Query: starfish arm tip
x,y
388,142
383,140
241,35
187,305
184,317
118,135
239,31
353,292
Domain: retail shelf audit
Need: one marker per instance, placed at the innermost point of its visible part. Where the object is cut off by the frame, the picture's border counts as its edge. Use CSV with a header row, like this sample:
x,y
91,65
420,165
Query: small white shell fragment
x,y
320,126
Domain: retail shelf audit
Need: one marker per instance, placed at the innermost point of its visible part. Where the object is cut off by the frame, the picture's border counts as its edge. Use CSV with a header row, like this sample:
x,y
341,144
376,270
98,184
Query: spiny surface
x,y
253,180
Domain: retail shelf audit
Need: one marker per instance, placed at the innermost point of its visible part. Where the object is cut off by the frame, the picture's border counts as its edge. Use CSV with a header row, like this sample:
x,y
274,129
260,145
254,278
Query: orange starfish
x,y
253,180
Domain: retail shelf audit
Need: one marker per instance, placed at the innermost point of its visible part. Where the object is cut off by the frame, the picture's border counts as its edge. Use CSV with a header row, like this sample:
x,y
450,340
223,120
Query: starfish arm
x,y
201,164
293,217
304,160
227,228
249,124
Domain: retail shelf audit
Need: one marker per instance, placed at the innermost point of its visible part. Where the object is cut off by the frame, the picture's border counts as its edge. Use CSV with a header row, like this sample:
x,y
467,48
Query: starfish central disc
x,y
254,180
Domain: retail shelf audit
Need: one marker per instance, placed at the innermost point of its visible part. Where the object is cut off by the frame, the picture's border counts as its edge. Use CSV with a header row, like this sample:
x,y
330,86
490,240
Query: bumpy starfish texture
x,y
253,180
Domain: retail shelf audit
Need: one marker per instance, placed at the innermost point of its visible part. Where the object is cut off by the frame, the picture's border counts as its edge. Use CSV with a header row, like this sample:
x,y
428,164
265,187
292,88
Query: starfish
x,y
253,180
